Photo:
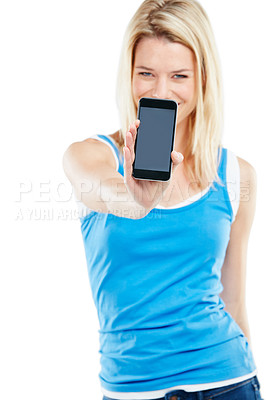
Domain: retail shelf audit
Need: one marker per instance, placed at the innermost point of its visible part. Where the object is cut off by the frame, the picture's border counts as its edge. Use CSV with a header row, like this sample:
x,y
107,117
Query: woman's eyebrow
x,y
172,72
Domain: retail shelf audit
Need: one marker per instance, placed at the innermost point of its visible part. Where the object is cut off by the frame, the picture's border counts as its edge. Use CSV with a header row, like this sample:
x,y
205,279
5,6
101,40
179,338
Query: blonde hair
x,y
185,22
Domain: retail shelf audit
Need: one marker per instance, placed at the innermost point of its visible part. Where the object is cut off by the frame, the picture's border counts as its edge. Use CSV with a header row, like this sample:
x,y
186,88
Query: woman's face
x,y
165,70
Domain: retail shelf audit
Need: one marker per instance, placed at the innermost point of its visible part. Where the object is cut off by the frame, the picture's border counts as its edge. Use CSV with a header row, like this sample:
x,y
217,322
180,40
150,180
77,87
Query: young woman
x,y
167,260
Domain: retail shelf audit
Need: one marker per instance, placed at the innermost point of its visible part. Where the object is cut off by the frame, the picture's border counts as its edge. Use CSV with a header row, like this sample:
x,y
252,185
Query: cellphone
x,y
155,139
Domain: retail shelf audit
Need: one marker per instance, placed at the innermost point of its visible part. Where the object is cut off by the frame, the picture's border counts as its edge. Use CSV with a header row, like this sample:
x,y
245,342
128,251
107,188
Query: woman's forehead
x,y
161,51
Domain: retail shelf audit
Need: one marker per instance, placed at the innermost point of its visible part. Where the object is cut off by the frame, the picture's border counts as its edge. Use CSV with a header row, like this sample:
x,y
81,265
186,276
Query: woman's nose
x,y
161,89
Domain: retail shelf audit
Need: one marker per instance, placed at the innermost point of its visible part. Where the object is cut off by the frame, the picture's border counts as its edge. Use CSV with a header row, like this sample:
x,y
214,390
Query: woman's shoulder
x,y
242,182
247,193
247,171
98,146
248,188
89,149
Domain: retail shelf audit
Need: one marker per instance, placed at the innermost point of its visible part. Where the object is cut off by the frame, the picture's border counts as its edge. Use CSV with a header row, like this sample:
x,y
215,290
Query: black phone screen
x,y
154,139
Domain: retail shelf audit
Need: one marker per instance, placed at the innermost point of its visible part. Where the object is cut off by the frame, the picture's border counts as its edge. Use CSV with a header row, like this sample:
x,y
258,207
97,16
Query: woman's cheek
x,y
139,87
185,92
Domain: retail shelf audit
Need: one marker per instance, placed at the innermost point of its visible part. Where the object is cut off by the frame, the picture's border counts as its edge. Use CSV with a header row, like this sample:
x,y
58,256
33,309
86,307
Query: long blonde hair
x,y
185,22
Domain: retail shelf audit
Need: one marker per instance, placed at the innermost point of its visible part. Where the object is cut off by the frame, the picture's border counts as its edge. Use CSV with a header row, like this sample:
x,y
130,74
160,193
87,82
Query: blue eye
x,y
145,73
181,76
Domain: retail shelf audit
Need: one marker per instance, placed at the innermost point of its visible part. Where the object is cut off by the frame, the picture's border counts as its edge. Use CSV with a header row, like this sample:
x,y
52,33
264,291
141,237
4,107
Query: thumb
x,y
177,159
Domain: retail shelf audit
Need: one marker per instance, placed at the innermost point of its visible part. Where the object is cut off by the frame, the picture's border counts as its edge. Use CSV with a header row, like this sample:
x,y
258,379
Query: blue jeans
x,y
245,390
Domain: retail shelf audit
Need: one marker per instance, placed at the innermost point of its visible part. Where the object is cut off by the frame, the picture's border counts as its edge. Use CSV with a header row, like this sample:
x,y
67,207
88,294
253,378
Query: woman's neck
x,y
181,136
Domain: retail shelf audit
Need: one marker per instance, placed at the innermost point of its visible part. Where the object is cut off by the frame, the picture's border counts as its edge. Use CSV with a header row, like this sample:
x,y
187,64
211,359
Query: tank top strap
x,y
222,164
117,154
221,168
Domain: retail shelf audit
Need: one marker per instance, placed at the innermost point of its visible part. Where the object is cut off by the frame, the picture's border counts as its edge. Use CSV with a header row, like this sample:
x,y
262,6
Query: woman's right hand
x,y
144,192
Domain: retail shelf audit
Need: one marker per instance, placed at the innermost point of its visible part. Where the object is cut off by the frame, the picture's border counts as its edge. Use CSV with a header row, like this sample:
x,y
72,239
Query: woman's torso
x,y
166,310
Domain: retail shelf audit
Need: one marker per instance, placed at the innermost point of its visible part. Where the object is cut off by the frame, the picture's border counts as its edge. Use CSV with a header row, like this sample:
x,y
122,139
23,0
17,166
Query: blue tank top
x,y
155,282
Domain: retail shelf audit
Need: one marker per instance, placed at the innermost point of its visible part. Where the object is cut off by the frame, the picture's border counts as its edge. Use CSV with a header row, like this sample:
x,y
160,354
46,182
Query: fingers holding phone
x,y
177,159
129,148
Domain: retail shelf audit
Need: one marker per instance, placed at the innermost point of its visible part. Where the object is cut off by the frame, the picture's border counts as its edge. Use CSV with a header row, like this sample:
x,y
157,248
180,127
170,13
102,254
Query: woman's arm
x,y
234,268
90,167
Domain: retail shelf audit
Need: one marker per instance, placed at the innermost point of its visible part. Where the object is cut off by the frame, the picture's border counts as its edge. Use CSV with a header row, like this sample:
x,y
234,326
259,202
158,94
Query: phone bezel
x,y
152,175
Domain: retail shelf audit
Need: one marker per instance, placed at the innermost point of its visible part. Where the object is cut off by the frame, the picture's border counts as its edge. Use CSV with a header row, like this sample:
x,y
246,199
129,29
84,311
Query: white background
x,y
58,73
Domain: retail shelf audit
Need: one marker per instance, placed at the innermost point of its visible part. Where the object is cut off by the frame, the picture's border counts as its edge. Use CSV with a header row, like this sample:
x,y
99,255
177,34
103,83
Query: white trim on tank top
x,y
155,394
